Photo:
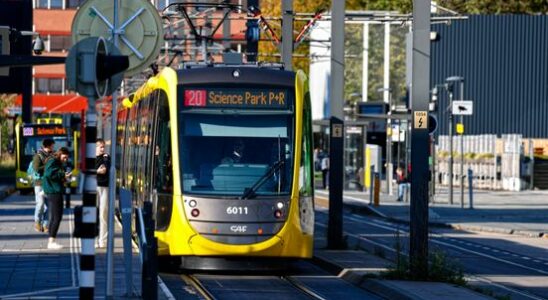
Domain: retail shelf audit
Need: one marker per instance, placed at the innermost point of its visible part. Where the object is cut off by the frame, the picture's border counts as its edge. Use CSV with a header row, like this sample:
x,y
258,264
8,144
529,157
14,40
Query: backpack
x,y
32,174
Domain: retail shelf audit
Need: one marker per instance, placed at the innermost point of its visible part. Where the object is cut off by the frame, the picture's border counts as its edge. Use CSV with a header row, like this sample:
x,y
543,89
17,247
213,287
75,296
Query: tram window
x,y
246,149
163,177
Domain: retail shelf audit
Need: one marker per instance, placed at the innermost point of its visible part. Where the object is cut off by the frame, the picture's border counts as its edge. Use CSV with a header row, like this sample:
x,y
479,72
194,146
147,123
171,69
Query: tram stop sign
x,y
432,124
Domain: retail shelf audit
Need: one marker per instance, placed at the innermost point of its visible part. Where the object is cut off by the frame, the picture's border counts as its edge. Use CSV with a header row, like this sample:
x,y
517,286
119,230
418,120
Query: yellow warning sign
x,y
460,128
421,119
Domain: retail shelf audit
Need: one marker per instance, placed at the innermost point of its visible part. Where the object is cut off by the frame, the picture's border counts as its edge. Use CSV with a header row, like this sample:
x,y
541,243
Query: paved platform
x,y
29,270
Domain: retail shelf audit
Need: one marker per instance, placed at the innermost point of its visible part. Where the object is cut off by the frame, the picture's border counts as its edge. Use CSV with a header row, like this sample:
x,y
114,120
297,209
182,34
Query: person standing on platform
x,y
403,184
38,164
102,164
325,170
53,184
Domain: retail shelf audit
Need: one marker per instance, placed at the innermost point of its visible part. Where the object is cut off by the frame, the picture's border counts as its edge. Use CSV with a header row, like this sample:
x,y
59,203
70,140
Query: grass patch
x,y
440,267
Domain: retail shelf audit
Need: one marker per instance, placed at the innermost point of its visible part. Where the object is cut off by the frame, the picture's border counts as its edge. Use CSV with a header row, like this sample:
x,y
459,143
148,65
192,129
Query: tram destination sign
x,y
236,98
44,130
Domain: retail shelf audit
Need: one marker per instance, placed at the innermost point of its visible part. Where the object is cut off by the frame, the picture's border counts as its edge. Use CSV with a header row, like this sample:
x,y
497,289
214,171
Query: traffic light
x,y
94,67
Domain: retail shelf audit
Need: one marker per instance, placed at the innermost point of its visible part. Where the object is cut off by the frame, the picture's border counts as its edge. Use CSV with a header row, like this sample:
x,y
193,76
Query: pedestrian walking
x,y
38,165
325,170
53,184
102,164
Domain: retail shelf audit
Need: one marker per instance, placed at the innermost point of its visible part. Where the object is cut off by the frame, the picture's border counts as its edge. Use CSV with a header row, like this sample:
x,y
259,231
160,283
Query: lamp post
x,y
389,167
450,88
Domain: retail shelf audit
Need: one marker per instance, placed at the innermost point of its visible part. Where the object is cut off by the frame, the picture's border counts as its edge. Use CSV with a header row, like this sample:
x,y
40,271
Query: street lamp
x,y
450,89
433,107
389,166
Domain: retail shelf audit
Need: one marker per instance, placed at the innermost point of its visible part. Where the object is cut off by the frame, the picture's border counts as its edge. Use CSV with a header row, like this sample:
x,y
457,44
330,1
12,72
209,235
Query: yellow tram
x,y
225,155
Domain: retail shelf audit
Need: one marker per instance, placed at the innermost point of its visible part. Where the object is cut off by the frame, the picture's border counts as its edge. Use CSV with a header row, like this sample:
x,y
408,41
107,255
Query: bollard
x,y
470,189
377,189
371,184
150,263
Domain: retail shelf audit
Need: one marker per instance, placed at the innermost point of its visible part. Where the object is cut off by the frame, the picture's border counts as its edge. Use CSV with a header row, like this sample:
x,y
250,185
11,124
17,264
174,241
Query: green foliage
x,y
6,101
496,7
7,165
440,267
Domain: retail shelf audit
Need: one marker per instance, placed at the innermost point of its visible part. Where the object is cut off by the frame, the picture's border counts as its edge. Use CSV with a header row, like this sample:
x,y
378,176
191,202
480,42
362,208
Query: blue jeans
x,y
40,211
402,189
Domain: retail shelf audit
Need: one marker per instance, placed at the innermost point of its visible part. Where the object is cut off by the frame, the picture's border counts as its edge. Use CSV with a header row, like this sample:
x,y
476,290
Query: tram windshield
x,y
234,155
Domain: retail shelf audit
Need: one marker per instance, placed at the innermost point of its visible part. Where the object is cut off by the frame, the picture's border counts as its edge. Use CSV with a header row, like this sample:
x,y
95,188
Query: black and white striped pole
x,y
89,209
89,68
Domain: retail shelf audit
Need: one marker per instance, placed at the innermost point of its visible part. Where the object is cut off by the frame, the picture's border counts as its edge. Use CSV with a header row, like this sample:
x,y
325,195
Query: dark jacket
x,y
54,177
39,164
102,179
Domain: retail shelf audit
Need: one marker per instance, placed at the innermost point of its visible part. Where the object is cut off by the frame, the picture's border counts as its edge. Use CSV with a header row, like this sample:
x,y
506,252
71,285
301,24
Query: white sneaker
x,y
54,246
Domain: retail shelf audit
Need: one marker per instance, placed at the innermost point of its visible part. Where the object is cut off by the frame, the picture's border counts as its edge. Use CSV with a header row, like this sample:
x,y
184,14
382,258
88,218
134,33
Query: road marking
x,y
165,289
525,294
464,249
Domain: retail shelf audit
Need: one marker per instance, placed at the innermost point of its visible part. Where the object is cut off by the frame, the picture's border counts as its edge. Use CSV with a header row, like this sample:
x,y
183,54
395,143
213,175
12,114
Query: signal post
x,y
418,250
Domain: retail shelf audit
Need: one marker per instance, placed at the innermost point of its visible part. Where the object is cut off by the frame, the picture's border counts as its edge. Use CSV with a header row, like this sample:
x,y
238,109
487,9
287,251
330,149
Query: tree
x,y
6,101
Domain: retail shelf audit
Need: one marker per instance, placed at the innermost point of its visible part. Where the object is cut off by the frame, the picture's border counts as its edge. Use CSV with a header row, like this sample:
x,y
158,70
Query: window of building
x,y
74,3
60,43
48,85
41,85
55,85
56,3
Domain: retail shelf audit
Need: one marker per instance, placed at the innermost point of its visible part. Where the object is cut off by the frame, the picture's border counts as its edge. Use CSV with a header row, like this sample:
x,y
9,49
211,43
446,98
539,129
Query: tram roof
x,y
225,74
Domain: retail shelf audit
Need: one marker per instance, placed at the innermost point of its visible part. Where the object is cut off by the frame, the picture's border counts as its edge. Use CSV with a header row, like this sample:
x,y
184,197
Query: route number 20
x,y
195,98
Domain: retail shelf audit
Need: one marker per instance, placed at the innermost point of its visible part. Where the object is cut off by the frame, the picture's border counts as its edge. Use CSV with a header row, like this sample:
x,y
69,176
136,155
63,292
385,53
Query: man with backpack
x,y
38,165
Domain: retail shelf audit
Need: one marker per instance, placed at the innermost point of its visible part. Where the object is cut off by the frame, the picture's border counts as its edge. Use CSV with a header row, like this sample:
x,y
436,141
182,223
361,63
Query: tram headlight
x,y
236,73
192,203
280,205
278,214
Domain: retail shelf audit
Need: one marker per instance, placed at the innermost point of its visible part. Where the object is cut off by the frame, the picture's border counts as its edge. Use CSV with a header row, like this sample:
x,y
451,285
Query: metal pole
x,y
112,175
336,138
418,235
470,189
461,94
89,201
461,165
450,147
287,34
365,60
389,166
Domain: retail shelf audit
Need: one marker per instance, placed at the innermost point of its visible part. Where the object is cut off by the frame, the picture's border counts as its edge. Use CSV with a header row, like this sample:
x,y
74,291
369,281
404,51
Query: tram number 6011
x,y
236,210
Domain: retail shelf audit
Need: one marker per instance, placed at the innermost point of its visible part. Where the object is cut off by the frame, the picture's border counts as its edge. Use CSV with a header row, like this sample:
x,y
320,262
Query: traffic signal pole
x,y
336,134
418,250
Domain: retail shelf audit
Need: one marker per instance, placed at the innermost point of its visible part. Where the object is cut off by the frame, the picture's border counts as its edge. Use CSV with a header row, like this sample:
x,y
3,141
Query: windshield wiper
x,y
248,192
